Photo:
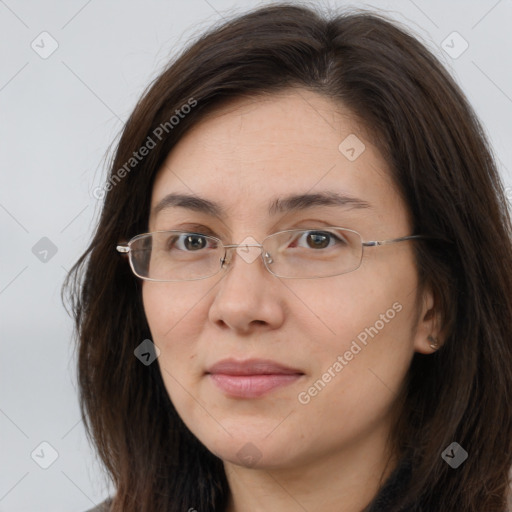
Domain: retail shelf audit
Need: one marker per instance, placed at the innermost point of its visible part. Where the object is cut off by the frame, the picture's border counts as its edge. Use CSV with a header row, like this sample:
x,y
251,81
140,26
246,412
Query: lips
x,y
251,378
251,367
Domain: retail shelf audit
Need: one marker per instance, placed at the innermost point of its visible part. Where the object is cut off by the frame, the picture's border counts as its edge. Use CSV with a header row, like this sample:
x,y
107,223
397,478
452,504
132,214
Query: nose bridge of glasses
x,y
245,253
232,246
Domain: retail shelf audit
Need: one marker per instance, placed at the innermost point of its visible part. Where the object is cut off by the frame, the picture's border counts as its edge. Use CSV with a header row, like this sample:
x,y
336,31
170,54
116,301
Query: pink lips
x,y
251,378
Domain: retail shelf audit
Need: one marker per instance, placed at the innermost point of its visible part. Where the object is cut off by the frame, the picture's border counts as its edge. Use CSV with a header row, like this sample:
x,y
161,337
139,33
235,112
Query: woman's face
x,y
346,342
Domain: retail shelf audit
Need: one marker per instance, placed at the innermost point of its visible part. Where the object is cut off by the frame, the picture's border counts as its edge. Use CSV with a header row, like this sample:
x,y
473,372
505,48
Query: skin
x,y
332,452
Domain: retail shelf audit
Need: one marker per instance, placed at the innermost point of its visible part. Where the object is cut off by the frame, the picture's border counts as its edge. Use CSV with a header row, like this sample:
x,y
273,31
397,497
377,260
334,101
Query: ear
x,y
427,338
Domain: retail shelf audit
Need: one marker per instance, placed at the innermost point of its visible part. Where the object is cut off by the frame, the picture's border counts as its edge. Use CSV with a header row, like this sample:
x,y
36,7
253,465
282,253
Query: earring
x,y
434,342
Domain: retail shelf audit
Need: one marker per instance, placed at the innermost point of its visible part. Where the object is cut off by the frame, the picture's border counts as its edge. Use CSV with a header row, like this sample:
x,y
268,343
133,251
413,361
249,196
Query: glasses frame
x,y
125,249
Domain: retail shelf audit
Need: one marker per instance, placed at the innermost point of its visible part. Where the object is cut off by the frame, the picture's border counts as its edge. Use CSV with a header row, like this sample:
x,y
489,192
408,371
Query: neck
x,y
345,480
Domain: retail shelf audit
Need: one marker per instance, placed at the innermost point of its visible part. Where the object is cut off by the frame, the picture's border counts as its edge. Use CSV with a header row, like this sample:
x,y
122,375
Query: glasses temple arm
x,y
374,243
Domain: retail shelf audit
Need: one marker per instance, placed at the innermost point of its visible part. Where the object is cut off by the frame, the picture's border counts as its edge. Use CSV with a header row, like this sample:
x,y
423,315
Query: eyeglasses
x,y
294,253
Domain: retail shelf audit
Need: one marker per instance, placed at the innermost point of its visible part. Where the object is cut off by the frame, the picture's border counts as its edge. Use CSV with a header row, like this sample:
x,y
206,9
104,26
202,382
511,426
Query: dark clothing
x,y
393,487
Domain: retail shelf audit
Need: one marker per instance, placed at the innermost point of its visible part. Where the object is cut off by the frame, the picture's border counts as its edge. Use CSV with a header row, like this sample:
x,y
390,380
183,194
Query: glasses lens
x,y
313,253
175,256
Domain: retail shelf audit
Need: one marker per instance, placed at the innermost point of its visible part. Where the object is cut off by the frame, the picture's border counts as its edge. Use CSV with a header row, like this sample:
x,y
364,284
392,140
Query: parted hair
x,y
442,164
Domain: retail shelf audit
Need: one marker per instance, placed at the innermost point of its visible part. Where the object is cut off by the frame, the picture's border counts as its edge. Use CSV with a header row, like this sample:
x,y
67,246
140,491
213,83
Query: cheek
x,y
376,297
172,313
357,372
168,305
158,307
369,319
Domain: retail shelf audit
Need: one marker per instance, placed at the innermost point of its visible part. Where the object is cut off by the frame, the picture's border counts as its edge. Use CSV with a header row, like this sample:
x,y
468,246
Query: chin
x,y
252,452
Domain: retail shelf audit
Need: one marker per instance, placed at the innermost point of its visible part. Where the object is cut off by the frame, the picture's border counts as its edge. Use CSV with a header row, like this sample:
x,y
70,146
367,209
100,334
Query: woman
x,y
310,302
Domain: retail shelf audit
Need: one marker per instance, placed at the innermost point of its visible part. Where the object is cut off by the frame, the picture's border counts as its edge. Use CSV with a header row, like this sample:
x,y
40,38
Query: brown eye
x,y
191,242
317,240
194,242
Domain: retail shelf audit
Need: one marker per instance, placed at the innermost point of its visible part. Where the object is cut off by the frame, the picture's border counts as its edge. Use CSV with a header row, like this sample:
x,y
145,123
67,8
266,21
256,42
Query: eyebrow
x,y
290,203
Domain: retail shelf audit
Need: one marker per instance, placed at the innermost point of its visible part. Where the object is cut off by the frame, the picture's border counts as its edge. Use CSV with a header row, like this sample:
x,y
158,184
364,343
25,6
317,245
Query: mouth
x,y
251,378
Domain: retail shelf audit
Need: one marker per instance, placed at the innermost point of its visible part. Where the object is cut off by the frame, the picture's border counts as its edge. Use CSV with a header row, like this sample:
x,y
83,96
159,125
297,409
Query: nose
x,y
247,296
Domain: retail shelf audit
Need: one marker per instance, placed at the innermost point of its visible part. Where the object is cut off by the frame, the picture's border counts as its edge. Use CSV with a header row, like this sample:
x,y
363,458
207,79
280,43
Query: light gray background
x,y
58,117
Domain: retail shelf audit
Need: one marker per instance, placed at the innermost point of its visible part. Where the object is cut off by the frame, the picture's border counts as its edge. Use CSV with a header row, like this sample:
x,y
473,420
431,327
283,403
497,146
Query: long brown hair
x,y
442,164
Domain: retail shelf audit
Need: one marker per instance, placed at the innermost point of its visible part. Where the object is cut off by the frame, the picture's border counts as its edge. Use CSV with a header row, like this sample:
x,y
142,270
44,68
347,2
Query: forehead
x,y
254,149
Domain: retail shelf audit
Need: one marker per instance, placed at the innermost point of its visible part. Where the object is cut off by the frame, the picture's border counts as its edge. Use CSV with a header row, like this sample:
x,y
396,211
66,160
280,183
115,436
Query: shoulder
x,y
102,507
